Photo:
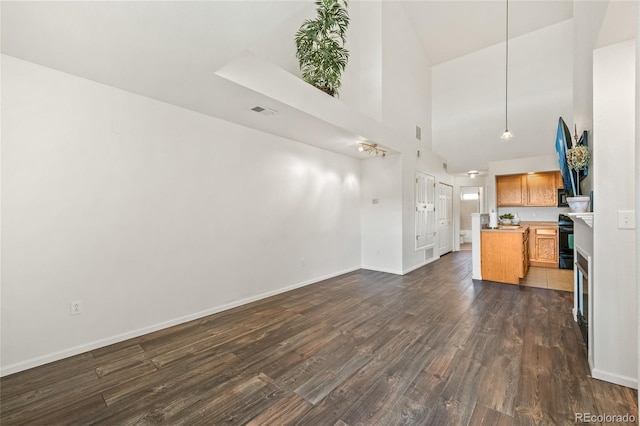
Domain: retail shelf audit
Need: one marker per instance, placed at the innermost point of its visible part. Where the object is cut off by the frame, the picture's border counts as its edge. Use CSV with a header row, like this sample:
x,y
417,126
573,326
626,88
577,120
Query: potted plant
x,y
320,46
506,218
577,159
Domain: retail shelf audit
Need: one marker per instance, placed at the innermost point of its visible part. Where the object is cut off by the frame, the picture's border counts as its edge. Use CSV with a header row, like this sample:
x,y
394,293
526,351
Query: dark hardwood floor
x,y
366,348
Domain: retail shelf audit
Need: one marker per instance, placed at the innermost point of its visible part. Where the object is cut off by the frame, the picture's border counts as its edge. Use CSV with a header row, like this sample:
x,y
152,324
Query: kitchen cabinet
x,y
505,255
543,245
530,190
509,190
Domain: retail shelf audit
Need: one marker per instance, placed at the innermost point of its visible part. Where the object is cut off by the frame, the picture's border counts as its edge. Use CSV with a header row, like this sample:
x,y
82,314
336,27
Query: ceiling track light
x,y
507,134
372,148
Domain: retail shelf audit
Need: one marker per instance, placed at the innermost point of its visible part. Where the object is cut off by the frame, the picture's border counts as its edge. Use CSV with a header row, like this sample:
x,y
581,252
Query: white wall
x,y
638,181
615,304
151,214
406,85
382,214
362,79
394,88
469,99
587,19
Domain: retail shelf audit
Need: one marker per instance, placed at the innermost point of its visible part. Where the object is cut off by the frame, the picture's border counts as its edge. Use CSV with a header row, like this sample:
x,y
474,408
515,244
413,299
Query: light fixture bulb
x,y
507,134
372,149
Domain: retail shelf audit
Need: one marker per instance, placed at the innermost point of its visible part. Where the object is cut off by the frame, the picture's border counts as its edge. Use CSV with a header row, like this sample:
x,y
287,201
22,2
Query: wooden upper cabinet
x,y
534,190
510,190
542,190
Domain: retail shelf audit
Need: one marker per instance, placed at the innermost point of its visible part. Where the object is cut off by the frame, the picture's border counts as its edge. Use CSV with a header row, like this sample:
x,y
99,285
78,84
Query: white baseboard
x,y
386,271
77,350
420,265
629,382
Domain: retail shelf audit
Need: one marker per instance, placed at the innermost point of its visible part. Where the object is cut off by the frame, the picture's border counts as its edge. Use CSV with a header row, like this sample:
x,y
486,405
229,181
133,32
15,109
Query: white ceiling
x,y
170,50
471,25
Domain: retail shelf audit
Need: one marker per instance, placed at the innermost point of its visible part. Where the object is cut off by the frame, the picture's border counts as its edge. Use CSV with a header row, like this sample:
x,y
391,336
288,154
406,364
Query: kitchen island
x,y
505,253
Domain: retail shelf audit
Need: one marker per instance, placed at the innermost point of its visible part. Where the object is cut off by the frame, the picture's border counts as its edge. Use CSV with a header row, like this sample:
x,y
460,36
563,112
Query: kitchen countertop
x,y
520,230
540,223
524,225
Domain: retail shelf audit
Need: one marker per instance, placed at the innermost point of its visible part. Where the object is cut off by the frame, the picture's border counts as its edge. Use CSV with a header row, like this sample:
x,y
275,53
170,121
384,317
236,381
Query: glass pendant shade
x,y
507,134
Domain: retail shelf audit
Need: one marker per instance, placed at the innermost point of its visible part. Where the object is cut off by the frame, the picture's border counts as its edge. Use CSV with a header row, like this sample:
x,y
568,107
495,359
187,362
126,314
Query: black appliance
x,y
562,198
583,296
565,242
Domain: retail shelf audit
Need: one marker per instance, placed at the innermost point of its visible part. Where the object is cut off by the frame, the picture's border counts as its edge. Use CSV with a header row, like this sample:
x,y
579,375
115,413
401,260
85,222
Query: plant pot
x,y
578,204
505,221
327,90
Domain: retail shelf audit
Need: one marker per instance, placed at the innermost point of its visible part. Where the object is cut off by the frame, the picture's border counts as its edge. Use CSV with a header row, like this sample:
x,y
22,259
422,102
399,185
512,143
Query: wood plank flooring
x,y
366,348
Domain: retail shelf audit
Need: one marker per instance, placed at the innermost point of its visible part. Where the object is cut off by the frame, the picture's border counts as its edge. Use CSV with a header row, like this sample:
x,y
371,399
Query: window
x,y
470,196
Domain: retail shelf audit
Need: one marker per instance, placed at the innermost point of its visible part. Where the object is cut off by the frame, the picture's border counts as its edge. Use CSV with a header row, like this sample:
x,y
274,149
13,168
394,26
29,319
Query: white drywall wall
x,y
614,298
151,214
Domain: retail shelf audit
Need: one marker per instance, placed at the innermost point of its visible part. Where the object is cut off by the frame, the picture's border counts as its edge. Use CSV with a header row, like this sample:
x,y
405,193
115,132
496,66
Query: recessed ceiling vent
x,y
263,110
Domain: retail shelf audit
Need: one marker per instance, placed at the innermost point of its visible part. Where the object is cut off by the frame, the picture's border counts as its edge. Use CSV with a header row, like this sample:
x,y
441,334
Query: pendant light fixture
x,y
507,134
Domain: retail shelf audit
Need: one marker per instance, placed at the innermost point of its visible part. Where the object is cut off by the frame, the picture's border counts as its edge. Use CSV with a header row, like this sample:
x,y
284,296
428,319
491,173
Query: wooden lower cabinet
x,y
505,255
543,246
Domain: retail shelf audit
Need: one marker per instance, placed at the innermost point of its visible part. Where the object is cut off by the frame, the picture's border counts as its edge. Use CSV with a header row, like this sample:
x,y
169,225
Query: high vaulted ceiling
x,y
170,50
471,25
210,32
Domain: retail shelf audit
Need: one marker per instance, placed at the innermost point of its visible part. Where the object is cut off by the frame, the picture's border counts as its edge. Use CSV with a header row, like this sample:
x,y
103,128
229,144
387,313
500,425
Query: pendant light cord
x,y
506,75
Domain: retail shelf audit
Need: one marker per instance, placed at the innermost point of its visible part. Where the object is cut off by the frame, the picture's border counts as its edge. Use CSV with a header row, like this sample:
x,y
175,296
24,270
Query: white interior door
x,y
425,211
445,218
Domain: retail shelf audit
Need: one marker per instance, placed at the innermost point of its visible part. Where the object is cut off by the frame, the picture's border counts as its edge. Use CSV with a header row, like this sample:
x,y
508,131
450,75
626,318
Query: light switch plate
x,y
626,219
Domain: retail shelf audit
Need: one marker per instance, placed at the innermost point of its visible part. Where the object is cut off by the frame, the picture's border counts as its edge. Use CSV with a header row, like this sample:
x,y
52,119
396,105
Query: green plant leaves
x,y
320,45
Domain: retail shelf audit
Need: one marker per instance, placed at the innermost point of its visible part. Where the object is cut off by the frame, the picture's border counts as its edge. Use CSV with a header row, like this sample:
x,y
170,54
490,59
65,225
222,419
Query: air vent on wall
x,y
444,166
263,110
418,133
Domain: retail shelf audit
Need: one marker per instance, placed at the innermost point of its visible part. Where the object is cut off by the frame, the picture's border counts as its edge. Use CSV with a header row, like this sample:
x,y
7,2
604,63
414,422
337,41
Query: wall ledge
x,y
587,218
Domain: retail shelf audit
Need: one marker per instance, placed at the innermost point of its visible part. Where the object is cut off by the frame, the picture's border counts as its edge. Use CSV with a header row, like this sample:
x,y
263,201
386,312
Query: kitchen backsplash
x,y
535,213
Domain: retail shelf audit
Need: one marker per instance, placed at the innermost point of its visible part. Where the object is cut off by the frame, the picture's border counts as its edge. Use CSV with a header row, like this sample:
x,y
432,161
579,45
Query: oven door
x,y
565,238
565,247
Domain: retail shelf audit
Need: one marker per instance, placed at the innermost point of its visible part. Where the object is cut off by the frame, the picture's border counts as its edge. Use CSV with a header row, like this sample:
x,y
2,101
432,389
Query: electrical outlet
x,y
76,307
